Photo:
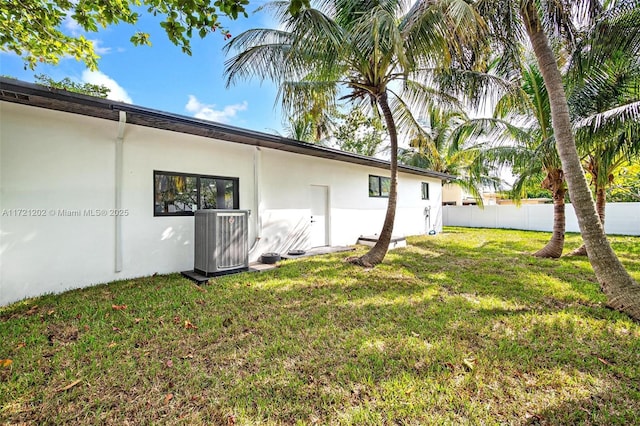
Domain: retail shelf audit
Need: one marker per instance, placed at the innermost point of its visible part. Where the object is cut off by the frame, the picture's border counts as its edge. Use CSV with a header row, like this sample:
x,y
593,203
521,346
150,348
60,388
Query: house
x,y
94,190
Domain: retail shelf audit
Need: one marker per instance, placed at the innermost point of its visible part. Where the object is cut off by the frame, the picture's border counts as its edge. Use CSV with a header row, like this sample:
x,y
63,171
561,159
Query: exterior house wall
x,y
58,169
286,195
452,193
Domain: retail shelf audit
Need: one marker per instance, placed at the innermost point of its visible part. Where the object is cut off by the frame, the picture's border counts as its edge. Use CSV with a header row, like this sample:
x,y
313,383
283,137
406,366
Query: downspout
x,y
118,190
257,163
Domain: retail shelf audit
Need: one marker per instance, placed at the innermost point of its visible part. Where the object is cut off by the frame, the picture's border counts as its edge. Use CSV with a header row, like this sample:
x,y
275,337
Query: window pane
x,y
208,193
229,191
374,186
175,193
217,193
386,186
425,190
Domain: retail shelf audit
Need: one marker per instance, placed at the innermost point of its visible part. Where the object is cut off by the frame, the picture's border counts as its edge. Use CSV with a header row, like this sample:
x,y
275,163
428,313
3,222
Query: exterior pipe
x,y
257,162
118,190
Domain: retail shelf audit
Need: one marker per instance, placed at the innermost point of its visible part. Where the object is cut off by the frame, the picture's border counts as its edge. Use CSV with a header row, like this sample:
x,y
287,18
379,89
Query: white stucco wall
x,y
52,163
286,182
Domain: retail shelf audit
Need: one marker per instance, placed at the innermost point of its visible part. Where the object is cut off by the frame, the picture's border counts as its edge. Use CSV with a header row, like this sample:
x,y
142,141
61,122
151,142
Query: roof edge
x,y
17,91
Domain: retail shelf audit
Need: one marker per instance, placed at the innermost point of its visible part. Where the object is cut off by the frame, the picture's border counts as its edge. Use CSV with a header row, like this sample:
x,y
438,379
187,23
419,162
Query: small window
x,y
379,186
181,194
425,190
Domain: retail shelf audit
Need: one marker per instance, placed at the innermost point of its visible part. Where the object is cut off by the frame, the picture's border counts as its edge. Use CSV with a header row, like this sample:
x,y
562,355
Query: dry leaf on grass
x,y
189,325
119,307
469,363
604,361
168,398
5,363
69,386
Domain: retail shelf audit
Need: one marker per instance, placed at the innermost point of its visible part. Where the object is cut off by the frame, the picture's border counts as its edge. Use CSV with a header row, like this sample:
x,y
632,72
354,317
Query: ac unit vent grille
x,y
232,241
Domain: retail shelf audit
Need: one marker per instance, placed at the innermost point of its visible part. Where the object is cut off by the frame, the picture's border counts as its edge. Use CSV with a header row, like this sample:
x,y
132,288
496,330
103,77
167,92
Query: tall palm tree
x,y
541,22
522,137
604,99
441,145
367,51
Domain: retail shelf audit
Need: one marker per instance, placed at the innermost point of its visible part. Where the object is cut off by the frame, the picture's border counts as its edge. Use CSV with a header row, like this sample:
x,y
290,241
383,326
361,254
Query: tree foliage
x,y
445,144
359,133
34,29
627,184
604,94
97,90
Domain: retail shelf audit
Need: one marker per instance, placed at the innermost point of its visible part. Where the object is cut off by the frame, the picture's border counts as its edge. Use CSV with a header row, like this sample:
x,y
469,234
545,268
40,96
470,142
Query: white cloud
x,y
99,48
116,92
208,111
72,26
75,30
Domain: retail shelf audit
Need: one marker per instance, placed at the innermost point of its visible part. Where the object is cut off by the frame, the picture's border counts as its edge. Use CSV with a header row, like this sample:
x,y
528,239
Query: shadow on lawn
x,y
599,408
517,278
321,340
381,332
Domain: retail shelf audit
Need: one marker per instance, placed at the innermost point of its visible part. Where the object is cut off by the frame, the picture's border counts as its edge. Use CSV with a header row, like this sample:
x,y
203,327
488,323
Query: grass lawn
x,y
460,328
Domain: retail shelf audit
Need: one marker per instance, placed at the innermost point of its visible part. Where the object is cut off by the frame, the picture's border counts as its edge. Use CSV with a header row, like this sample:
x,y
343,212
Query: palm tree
x,y
522,137
604,99
441,145
368,51
300,129
539,20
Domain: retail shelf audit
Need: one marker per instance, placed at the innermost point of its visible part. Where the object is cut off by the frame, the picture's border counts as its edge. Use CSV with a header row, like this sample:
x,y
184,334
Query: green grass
x,y
461,328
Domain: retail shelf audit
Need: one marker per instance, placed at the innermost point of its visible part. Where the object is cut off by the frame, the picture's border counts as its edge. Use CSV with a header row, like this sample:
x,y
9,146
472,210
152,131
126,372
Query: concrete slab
x,y
260,267
396,242
318,251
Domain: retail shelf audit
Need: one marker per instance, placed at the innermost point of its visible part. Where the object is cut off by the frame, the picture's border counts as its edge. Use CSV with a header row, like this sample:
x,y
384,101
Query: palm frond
x,y
298,97
614,118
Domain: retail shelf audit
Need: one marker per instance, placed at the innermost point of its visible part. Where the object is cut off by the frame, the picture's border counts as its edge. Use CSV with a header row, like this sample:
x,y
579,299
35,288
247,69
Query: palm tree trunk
x,y
601,203
379,251
622,292
553,249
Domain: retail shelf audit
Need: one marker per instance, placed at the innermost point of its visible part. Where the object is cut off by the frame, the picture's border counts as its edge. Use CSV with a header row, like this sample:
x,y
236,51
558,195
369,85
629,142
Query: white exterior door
x,y
319,231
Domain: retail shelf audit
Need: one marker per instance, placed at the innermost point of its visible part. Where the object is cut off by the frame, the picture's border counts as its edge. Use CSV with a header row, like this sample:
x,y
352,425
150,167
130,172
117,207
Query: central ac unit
x,y
221,241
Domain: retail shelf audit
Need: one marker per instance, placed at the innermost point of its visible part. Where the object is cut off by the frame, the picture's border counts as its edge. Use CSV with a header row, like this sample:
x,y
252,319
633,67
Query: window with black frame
x,y
425,190
379,186
181,194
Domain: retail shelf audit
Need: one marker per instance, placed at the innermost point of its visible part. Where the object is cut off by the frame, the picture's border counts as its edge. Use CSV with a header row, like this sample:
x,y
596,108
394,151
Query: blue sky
x,y
164,78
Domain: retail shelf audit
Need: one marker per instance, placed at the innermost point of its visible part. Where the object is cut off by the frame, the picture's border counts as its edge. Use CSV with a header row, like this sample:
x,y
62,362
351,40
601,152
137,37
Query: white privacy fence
x,y
620,218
